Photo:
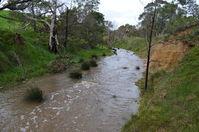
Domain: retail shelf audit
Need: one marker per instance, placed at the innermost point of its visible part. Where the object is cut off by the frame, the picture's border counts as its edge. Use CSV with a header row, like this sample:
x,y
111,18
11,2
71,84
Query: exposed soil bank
x,y
167,55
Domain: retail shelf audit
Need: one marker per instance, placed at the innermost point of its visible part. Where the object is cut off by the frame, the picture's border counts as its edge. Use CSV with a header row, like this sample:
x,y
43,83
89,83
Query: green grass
x,y
172,102
86,54
33,58
135,44
7,24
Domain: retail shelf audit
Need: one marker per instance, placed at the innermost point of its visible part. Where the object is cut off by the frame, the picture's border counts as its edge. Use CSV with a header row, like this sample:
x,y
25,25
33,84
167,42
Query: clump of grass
x,y
34,94
104,54
137,68
76,75
114,96
81,60
85,66
93,63
94,56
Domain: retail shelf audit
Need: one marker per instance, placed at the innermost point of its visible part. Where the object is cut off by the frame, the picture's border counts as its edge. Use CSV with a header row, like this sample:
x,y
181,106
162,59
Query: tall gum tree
x,y
48,11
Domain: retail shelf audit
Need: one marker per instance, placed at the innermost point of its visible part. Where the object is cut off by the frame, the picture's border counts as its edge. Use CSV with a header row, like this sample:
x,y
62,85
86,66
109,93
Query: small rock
x,y
1,87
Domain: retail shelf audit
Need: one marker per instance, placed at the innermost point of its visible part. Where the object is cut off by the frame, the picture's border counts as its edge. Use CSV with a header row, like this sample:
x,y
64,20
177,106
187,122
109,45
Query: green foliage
x,y
136,44
7,24
181,24
19,61
171,103
34,95
76,45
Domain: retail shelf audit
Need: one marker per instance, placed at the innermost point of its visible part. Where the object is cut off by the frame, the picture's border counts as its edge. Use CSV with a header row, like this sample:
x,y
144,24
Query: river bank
x,y
171,101
102,100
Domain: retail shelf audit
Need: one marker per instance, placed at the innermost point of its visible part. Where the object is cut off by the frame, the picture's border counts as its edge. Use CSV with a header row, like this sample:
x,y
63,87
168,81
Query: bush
x,y
93,63
34,95
76,75
85,66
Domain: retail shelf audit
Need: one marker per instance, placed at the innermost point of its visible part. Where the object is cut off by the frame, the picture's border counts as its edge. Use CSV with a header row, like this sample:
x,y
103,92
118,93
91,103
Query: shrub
x,y
93,63
76,75
85,66
34,95
103,54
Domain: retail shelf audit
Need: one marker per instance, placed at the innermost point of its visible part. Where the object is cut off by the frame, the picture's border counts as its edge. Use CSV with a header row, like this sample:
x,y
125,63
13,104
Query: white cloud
x,y
122,11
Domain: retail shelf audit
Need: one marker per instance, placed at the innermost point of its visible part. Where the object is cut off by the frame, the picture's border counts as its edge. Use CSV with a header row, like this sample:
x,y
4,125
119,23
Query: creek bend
x,y
102,101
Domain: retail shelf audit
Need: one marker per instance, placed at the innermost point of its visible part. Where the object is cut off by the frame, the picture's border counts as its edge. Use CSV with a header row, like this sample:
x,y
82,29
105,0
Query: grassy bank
x,y
171,103
24,53
135,44
29,57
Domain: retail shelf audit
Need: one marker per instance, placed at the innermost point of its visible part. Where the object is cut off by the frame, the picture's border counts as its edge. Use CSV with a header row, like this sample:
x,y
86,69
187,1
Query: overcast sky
x,y
121,12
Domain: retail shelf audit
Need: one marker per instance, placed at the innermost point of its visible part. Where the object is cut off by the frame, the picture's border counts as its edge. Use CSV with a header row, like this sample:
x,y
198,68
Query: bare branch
x,y
13,5
37,20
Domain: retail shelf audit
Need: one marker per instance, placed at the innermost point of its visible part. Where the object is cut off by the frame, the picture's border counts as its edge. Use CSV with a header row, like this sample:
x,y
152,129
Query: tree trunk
x,y
53,41
149,46
66,28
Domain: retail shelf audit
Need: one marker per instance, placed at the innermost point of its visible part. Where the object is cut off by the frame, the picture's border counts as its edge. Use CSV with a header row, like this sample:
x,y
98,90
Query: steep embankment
x,y
22,56
167,55
171,102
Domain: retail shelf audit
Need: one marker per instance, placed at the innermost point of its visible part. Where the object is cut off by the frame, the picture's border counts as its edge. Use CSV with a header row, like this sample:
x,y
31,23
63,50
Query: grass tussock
x,y
76,75
94,56
34,95
137,68
104,54
85,66
93,63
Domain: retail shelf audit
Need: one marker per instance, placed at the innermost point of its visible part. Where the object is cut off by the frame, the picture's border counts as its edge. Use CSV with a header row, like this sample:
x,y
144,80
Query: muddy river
x,y
102,101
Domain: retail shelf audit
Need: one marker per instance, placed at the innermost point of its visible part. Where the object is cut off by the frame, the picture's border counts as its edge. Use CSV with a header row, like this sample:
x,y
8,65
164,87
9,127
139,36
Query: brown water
x,y
102,101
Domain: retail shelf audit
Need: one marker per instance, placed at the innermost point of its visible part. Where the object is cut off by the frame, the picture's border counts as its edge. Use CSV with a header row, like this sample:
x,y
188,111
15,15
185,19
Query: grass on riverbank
x,y
24,53
31,58
172,102
135,44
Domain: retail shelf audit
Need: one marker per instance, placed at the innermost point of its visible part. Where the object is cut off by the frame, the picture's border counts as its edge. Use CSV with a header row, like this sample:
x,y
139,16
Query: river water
x,y
102,101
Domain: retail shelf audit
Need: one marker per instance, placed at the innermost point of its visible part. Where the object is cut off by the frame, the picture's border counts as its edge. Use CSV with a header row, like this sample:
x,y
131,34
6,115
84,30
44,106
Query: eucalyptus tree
x,y
46,11
165,13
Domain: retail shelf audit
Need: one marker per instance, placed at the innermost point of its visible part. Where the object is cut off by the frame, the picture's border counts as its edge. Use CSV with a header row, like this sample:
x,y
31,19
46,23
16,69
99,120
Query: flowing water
x,y
102,101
